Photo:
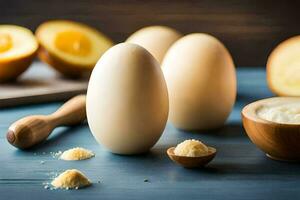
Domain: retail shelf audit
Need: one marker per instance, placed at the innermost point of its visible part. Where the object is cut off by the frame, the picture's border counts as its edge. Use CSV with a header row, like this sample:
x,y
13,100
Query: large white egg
x,y
156,39
127,100
201,80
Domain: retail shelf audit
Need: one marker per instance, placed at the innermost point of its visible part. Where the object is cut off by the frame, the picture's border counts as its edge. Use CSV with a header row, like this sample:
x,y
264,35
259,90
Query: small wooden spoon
x,y
192,162
32,130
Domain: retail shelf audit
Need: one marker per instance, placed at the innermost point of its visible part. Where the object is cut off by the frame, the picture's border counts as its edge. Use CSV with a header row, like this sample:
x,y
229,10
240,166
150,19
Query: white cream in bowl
x,y
286,113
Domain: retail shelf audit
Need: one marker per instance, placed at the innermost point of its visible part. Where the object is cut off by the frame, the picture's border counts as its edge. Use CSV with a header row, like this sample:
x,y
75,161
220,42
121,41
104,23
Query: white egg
x,y
201,80
156,39
127,100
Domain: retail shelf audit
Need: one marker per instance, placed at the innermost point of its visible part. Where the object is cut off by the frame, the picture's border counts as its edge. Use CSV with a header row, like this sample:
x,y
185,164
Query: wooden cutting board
x,y
40,84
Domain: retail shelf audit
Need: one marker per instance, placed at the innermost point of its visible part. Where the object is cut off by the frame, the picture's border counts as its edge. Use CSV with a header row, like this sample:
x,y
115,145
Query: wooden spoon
x,y
34,129
192,162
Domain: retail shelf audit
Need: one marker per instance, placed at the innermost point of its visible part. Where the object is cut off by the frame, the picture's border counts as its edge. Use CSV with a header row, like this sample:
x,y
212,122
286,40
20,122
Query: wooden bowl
x,y
192,162
280,141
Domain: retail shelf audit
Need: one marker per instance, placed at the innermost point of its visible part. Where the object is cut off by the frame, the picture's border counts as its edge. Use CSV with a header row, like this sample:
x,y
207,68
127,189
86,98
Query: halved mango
x,y
70,47
18,47
283,68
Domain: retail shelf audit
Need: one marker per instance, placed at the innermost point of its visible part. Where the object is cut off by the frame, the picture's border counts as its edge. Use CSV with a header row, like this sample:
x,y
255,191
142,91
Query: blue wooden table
x,y
239,171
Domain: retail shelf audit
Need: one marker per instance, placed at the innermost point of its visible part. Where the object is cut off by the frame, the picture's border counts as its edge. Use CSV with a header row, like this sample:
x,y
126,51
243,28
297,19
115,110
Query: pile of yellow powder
x,y
71,179
191,148
77,153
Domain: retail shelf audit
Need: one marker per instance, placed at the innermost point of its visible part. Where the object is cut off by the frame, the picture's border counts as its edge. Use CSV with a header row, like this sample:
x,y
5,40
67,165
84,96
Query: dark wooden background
x,y
250,29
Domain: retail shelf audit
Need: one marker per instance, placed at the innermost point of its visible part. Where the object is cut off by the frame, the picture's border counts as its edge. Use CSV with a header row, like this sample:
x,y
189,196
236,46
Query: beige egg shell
x,y
201,80
127,100
156,39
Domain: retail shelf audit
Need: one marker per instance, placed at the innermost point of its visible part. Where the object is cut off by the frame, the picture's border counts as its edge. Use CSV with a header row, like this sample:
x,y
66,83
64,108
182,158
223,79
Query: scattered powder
x,y
191,148
77,153
71,179
56,154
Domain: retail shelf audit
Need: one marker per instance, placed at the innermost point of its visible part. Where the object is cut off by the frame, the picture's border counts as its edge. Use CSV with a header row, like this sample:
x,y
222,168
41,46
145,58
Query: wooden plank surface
x,y
239,171
249,28
39,84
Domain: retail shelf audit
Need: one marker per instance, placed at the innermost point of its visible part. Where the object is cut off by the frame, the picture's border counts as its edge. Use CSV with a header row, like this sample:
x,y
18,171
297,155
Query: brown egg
x,y
156,39
201,80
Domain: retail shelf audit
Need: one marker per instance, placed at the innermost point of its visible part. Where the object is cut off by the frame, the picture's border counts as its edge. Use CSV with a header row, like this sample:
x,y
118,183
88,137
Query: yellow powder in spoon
x,y
77,153
191,148
71,179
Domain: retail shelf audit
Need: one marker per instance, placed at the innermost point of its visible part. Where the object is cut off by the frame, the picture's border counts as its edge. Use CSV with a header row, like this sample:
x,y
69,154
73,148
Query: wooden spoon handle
x,y
71,113
31,130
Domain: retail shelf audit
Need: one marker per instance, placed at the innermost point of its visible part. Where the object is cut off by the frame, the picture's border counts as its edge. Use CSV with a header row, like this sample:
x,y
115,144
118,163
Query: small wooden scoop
x,y
31,130
192,162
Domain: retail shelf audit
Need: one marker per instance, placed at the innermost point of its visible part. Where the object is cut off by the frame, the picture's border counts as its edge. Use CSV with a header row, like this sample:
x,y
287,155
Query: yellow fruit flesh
x,y
287,75
292,75
73,42
5,42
